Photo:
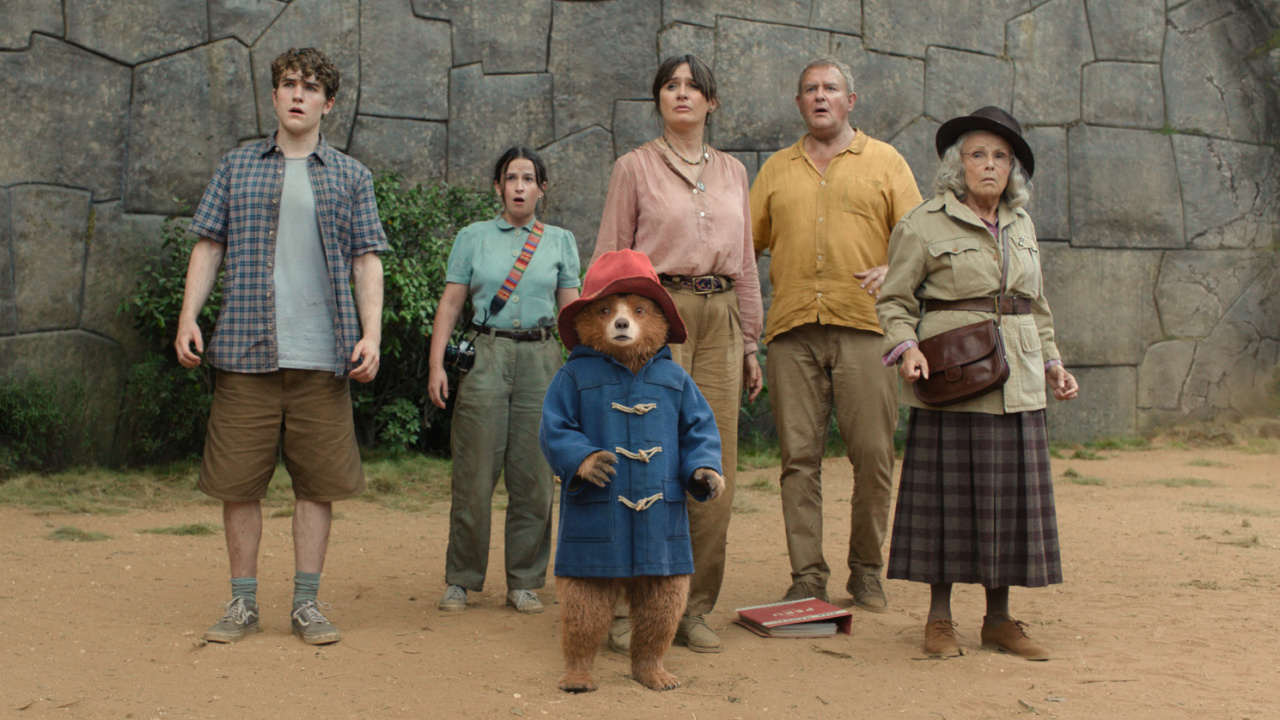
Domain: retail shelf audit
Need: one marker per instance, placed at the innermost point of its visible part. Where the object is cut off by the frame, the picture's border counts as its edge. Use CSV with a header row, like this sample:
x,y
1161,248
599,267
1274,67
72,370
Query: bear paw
x,y
657,679
597,469
577,681
706,480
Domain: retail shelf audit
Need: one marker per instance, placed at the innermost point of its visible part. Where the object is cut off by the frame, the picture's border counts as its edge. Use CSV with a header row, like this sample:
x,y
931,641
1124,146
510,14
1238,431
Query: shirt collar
x,y
323,151
502,223
956,208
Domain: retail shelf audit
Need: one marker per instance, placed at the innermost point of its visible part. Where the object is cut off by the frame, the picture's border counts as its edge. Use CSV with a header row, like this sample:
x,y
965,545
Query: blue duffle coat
x,y
661,428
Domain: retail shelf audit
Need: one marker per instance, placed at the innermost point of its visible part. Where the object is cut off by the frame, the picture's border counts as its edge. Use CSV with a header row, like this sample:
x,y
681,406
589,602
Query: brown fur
x,y
657,602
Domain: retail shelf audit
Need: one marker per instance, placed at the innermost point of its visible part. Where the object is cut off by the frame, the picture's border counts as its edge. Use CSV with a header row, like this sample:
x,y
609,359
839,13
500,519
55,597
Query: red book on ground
x,y
809,617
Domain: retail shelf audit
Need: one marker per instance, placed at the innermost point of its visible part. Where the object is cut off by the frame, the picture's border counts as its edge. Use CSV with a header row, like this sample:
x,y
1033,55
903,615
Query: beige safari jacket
x,y
942,251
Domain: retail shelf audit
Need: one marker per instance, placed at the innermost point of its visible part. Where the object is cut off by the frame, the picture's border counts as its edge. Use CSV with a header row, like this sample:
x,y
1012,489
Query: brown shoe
x,y
940,638
1005,634
867,593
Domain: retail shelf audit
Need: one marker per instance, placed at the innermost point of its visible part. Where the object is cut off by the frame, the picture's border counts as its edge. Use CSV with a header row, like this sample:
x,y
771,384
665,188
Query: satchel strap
x,y
1004,274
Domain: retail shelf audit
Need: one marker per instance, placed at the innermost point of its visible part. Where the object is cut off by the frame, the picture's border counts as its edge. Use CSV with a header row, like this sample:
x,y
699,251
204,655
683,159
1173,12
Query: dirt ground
x,y
1168,606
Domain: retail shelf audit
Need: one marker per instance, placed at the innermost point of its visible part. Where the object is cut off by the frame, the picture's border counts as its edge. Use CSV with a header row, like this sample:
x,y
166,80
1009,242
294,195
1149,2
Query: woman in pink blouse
x,y
685,205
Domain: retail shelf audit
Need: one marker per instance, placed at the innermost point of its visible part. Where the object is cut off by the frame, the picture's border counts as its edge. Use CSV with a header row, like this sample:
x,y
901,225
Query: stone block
x,y
685,39
1230,371
750,161
707,12
1197,287
907,28
134,31
73,106
48,226
188,110
415,150
23,17
120,244
842,16
1124,189
244,20
1127,29
97,364
1123,93
1208,86
1104,409
588,63
507,37
890,88
634,123
578,170
1163,373
1102,303
490,113
757,67
1050,187
957,83
8,307
404,62
915,143
1048,46
332,26
1230,192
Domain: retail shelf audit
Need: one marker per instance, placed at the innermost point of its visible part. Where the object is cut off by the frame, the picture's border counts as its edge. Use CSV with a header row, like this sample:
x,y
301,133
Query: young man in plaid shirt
x,y
296,223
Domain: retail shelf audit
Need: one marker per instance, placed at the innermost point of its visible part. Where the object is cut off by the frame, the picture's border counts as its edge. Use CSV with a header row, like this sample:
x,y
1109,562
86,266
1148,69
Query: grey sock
x,y
246,588
305,587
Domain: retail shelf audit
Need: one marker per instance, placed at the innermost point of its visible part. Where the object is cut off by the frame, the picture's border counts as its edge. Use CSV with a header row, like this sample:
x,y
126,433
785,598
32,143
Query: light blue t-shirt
x,y
483,255
305,307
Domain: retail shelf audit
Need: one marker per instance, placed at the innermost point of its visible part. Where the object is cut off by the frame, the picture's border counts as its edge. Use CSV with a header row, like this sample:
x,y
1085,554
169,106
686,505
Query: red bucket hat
x,y
621,272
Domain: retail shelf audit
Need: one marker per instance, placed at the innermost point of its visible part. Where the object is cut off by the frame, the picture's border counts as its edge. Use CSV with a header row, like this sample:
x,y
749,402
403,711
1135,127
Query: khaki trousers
x,y
495,432
713,357
808,368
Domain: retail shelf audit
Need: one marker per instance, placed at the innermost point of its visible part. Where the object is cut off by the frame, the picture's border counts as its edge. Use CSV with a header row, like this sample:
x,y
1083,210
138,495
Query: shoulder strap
x,y
517,270
1004,271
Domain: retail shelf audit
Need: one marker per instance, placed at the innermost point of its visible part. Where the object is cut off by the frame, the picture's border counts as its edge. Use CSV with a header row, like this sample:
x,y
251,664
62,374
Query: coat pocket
x,y
677,513
958,268
587,515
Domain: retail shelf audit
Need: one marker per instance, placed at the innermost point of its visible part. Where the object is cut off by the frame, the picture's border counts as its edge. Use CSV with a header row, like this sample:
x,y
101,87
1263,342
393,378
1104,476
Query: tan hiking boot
x,y
801,589
1005,634
867,593
694,632
620,635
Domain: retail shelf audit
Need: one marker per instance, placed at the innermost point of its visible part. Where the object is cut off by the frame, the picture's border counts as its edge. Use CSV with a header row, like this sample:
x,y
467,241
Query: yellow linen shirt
x,y
821,228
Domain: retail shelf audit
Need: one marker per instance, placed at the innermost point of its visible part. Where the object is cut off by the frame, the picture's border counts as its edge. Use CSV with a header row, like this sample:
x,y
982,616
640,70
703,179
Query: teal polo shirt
x,y
483,255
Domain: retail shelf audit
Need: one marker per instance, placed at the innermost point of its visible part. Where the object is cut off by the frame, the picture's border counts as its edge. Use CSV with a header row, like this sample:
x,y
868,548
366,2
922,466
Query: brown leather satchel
x,y
968,361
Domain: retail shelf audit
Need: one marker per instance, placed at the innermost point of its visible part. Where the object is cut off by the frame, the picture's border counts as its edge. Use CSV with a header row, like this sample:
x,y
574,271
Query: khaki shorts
x,y
304,415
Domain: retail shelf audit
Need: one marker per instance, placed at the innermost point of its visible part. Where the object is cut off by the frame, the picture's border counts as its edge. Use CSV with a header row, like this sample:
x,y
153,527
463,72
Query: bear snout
x,y
622,323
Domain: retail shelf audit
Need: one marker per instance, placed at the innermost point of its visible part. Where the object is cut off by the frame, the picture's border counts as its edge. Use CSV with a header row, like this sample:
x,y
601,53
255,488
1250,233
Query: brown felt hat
x,y
993,120
621,272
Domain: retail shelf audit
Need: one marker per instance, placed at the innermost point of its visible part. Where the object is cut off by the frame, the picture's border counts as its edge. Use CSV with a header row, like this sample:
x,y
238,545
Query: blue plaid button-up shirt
x,y
241,209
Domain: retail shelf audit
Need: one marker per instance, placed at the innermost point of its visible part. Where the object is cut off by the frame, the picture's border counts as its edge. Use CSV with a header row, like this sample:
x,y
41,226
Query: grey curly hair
x,y
950,176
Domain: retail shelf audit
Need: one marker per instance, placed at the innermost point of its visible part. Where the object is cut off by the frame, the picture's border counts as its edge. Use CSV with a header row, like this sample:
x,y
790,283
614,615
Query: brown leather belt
x,y
700,284
537,334
1008,305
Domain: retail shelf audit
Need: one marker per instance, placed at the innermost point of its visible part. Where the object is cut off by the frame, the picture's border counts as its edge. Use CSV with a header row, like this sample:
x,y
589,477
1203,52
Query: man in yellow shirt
x,y
824,209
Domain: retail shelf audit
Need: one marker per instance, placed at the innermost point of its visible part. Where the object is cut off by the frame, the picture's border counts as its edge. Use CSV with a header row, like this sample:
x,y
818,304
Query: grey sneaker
x,y
454,599
239,620
311,626
525,601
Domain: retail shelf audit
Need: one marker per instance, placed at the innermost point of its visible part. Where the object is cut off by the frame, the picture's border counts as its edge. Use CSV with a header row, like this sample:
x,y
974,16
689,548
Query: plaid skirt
x,y
975,503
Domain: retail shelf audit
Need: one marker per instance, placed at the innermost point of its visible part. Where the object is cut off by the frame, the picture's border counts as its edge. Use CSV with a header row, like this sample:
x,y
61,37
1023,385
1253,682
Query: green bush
x,y
168,405
41,424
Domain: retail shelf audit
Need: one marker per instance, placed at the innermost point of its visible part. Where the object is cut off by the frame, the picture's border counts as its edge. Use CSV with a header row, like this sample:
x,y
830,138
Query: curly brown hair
x,y
307,62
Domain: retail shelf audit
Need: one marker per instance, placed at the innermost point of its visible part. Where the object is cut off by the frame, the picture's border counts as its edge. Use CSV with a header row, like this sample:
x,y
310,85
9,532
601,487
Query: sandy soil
x,y
1169,604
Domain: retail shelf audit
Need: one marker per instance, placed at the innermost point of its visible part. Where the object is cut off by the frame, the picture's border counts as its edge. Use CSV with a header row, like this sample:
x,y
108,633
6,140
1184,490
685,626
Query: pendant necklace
x,y
701,159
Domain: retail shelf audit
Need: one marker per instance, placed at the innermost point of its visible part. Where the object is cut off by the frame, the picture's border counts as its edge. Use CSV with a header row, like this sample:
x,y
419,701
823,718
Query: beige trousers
x,y
809,368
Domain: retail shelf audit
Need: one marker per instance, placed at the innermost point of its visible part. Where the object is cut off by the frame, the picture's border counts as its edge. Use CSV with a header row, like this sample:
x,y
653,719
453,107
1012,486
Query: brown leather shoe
x,y
1008,635
940,638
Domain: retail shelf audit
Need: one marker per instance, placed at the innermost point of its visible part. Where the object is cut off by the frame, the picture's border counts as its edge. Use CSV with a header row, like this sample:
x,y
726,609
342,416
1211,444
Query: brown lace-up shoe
x,y
940,638
1005,634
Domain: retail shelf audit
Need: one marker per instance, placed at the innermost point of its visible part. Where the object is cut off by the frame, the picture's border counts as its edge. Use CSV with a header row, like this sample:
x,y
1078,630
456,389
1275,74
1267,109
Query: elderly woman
x,y
685,205
975,503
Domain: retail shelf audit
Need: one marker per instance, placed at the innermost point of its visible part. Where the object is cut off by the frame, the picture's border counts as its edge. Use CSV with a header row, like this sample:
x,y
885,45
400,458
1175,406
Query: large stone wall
x,y
1155,126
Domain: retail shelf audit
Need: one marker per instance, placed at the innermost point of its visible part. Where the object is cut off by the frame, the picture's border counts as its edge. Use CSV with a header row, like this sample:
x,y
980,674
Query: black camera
x,y
461,356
